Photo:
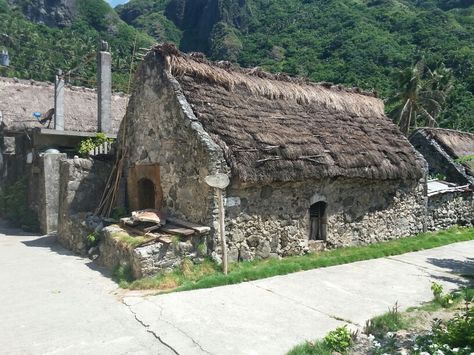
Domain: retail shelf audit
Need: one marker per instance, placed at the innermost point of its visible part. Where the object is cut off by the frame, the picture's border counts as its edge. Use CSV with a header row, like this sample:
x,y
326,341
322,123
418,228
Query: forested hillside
x,y
42,37
363,43
354,42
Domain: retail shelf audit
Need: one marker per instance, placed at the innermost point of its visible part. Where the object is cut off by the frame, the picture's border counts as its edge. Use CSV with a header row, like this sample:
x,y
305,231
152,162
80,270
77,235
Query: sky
x,y
114,3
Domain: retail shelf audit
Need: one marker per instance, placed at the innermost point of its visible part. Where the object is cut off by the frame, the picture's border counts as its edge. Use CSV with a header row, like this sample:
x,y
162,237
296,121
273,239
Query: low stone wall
x,y
273,221
74,232
149,259
81,184
450,208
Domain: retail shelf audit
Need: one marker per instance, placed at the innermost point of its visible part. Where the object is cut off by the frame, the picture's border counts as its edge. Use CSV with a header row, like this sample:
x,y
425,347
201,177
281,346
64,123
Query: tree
x,y
420,96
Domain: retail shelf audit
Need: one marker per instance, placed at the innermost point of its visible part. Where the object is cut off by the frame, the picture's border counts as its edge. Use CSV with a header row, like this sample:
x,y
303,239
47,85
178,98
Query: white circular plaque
x,y
220,181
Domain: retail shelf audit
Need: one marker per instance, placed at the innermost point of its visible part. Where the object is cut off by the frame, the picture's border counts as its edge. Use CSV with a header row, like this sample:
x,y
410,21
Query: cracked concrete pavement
x,y
53,302
272,315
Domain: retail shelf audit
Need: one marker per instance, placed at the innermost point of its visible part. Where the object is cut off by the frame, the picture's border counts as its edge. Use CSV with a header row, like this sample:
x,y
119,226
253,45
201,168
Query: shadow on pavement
x,y
462,270
49,242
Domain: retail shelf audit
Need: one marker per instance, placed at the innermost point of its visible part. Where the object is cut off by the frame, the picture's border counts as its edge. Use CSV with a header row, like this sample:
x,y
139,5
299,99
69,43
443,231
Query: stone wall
x,y
274,220
450,208
81,184
149,259
161,129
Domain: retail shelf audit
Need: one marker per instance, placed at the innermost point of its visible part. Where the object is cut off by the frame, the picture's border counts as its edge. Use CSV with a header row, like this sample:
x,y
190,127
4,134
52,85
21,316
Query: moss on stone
x,y
128,240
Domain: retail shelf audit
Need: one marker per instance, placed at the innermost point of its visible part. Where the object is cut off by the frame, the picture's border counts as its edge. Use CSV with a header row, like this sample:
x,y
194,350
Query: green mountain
x,y
361,43
43,36
354,42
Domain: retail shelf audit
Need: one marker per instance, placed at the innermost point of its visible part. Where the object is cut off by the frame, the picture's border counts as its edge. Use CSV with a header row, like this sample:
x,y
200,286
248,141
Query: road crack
x,y
179,330
149,330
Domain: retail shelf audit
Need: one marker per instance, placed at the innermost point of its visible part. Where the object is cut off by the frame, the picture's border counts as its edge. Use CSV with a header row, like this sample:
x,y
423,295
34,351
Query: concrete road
x,y
271,316
52,302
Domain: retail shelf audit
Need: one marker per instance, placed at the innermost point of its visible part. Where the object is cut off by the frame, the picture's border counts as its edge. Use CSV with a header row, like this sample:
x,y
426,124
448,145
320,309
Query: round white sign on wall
x,y
220,181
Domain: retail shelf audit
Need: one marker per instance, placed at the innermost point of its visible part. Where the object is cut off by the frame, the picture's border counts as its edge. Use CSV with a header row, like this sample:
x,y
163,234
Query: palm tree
x,y
420,96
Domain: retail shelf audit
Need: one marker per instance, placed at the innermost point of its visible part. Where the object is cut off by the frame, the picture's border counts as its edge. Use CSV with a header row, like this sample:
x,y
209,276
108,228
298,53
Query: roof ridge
x,y
170,50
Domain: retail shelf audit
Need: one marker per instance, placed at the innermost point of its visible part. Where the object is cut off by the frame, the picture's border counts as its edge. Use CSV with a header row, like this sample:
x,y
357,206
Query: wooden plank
x,y
152,228
174,229
196,227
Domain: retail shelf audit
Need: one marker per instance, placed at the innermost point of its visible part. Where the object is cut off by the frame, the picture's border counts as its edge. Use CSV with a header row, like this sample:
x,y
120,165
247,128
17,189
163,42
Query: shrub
x,y
339,340
444,300
92,240
458,331
88,144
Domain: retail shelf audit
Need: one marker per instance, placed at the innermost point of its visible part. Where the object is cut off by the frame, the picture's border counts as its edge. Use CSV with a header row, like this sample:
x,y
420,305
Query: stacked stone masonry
x,y
273,221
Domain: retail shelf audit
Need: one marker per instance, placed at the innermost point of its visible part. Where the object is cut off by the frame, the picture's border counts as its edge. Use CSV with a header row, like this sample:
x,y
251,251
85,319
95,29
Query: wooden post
x,y
220,202
219,182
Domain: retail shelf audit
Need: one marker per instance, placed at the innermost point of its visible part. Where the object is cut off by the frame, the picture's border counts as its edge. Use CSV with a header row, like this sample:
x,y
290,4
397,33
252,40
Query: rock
x,y
263,250
253,241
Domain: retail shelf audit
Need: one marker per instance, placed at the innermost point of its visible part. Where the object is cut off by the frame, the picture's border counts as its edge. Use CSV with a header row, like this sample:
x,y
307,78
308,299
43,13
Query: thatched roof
x,y
273,128
20,98
459,145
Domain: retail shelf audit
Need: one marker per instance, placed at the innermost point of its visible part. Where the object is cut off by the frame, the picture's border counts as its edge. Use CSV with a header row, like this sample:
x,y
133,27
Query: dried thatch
x,y
20,98
276,128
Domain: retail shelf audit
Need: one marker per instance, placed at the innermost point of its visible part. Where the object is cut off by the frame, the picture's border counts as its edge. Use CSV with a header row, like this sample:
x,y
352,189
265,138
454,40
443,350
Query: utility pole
x,y
104,87
59,101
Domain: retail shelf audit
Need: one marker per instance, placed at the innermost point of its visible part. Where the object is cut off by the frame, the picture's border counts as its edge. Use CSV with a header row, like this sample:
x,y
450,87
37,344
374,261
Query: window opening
x,y
317,215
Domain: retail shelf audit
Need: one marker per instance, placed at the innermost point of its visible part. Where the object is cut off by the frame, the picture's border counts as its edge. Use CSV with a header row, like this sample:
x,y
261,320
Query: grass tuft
x,y
387,322
311,348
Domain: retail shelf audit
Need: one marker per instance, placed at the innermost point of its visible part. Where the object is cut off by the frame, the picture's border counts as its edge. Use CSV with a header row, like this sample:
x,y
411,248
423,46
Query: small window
x,y
317,216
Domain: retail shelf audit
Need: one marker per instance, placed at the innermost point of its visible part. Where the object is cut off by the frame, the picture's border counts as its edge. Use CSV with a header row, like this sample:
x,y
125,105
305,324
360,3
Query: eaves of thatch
x,y
273,128
458,145
19,99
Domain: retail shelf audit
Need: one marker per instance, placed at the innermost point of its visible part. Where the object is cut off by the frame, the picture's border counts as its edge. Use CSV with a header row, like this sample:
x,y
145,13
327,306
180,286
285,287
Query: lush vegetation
x,y
208,274
14,205
367,43
37,51
364,43
454,335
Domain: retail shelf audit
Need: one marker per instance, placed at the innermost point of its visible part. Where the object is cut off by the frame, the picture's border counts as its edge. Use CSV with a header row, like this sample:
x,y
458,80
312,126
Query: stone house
x,y
23,139
450,157
448,152
310,164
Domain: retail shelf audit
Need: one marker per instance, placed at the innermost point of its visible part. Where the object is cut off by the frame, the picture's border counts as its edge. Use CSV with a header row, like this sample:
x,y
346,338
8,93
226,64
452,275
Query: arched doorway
x,y
317,217
146,194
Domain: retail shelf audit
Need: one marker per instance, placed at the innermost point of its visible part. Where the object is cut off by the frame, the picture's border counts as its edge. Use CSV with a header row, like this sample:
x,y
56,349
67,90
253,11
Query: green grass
x,y
387,322
211,276
128,240
311,348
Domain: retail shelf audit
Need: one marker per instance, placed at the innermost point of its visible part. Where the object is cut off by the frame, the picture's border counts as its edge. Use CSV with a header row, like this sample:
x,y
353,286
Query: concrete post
x,y
104,88
59,101
4,58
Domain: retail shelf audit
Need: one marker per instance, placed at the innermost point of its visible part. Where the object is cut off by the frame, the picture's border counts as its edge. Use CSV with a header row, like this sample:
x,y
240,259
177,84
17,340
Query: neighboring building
x,y
310,164
449,153
450,157
23,138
